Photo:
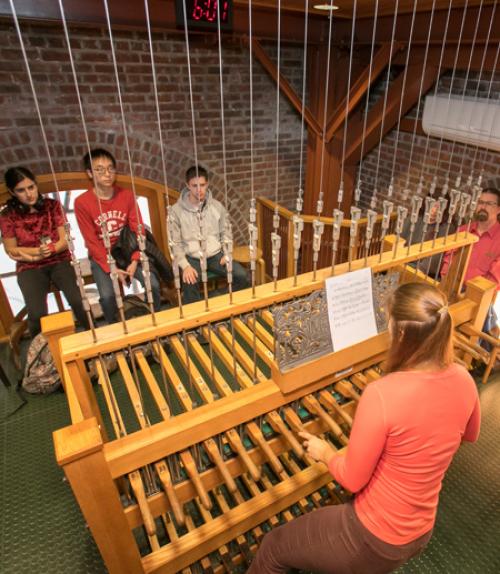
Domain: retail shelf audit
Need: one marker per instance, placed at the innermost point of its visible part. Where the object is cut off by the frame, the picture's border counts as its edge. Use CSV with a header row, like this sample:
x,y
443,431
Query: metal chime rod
x,y
318,228
402,214
416,204
371,216
353,232
338,217
387,207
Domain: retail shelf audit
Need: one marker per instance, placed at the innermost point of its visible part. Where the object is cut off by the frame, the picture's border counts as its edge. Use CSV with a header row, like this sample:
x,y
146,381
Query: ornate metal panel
x,y
302,330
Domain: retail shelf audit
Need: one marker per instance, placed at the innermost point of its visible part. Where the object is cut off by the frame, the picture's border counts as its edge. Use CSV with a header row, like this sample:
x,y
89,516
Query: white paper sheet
x,y
350,308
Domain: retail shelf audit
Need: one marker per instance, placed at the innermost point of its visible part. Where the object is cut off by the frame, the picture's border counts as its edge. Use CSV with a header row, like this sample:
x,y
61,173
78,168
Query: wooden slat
x,y
234,522
360,86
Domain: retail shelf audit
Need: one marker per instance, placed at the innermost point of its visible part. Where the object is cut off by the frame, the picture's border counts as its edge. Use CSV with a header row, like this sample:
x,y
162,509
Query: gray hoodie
x,y
185,227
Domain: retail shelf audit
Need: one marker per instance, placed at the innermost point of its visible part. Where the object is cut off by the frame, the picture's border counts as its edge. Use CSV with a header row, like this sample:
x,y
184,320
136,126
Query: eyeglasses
x,y
102,170
487,203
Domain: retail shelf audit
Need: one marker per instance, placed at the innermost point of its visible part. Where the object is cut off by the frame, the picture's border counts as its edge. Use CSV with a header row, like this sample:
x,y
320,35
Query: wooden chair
x,y
467,339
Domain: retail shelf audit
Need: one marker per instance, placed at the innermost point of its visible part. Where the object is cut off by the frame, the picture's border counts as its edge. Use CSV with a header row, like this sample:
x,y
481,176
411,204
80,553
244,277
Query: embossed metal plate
x,y
302,330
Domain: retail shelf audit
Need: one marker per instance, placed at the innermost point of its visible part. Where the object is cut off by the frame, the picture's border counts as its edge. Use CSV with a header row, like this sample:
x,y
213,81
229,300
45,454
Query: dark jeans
x,y
35,286
331,540
192,293
107,294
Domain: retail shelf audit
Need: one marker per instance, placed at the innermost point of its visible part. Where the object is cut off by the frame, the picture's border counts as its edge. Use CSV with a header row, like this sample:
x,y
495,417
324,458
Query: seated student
x,y
185,232
33,234
407,428
117,207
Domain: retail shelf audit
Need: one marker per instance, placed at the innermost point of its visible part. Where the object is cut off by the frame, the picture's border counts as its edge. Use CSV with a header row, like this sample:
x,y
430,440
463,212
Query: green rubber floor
x,y
42,530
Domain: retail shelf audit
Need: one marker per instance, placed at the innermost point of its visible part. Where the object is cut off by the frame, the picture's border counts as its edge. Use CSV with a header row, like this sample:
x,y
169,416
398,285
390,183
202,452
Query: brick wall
x,y
20,135
429,157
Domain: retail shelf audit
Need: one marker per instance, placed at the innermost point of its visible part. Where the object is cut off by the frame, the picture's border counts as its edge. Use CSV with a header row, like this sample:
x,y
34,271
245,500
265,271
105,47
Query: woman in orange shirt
x,y
407,428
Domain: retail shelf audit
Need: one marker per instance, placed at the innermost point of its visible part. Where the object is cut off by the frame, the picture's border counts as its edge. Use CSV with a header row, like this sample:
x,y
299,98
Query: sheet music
x,y
351,312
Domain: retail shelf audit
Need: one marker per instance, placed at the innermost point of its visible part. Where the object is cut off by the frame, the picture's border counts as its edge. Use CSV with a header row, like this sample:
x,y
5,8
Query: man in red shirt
x,y
116,207
485,257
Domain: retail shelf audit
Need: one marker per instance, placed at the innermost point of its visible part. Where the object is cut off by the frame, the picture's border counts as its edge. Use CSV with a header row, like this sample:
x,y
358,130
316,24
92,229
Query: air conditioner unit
x,y
473,121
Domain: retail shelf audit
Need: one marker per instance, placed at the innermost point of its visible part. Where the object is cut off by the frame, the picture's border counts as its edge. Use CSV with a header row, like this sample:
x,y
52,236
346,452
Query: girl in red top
x,y
33,234
407,428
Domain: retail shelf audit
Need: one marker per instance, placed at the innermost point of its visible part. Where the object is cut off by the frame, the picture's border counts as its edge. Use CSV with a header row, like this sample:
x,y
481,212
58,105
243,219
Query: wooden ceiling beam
x,y
449,59
416,74
285,86
360,86
420,36
130,14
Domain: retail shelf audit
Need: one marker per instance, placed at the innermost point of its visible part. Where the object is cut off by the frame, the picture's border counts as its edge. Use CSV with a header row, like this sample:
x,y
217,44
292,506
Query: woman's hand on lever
x,y
317,448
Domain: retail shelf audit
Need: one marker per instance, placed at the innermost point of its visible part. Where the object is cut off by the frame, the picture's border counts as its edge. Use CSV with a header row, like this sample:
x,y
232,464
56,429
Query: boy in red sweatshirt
x,y
117,207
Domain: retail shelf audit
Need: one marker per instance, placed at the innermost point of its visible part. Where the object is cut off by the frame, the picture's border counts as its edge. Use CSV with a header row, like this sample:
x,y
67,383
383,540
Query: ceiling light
x,y
325,7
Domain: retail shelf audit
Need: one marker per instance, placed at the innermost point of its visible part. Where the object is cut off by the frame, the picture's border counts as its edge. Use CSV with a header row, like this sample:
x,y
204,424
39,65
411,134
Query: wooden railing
x,y
265,211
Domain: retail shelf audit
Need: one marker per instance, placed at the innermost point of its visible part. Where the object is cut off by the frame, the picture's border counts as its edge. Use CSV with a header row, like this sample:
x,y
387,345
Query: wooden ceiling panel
x,y
365,8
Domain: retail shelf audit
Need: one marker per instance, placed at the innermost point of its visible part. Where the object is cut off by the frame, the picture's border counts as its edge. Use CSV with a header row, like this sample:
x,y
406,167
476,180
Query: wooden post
x,y
79,451
482,292
453,281
54,327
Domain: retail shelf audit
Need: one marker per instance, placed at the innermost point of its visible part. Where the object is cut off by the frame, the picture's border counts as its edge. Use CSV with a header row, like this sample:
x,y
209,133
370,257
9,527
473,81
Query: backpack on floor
x,y
40,375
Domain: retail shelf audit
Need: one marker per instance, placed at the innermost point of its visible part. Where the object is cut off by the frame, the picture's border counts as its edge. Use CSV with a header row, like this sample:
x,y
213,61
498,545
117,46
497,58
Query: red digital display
x,y
203,13
206,10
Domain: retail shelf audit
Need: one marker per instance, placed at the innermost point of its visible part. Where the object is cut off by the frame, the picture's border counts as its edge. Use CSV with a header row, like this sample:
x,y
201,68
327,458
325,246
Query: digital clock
x,y
202,14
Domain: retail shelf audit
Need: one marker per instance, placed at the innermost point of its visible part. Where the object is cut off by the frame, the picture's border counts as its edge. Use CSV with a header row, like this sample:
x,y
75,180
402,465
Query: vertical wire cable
x,y
466,80
228,247
140,225
278,68
325,103
367,101
421,87
67,226
485,152
190,82
302,113
162,154
479,79
195,151
104,231
252,188
462,24
384,107
253,212
346,120
157,103
164,172
436,85
403,91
